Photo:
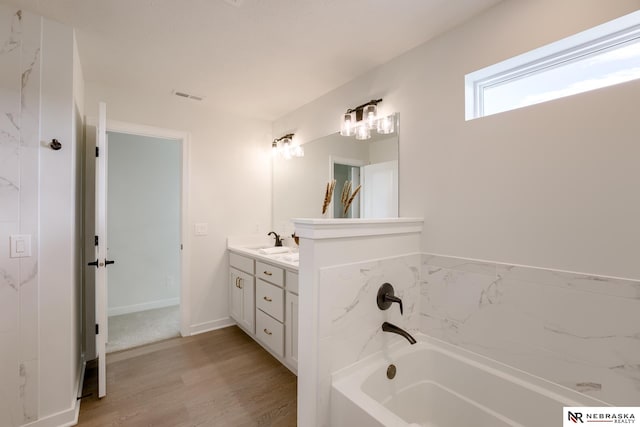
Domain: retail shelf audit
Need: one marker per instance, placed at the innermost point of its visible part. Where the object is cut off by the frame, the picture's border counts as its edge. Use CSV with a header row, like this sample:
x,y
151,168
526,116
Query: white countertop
x,y
250,248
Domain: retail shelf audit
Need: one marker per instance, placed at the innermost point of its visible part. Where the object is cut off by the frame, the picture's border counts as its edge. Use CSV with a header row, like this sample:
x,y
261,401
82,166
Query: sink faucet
x,y
390,327
278,238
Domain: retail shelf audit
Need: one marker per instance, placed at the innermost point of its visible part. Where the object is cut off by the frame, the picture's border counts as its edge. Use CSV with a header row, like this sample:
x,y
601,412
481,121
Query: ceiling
x,y
262,59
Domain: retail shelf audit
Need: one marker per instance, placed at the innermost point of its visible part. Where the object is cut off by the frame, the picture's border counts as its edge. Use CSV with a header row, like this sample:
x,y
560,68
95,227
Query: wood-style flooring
x,y
220,378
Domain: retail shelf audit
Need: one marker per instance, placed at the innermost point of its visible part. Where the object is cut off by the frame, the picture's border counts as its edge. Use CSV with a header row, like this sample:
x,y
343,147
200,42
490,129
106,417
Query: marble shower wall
x,y
576,330
20,35
349,319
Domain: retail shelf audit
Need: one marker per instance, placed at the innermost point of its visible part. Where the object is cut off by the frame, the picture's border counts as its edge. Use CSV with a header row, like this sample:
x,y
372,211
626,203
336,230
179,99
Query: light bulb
x,y
369,115
386,125
363,132
348,125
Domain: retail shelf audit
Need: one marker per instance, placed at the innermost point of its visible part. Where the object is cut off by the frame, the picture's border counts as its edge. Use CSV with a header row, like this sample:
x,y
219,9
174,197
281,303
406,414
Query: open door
x,y
101,261
380,188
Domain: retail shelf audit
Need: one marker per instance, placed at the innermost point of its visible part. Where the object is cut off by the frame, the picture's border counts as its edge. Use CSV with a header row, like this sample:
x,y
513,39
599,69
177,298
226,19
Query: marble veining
x,y
13,41
20,47
581,331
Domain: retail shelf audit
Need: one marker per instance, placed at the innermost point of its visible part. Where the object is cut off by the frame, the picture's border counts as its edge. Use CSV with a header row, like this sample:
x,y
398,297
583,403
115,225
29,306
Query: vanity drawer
x,y
270,273
241,262
270,299
270,332
292,282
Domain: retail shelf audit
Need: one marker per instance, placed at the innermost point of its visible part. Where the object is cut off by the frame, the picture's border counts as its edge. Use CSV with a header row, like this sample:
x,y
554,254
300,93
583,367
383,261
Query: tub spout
x,y
390,327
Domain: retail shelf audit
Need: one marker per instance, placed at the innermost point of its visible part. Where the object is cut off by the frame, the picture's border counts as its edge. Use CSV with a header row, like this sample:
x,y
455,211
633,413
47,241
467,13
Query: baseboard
x,y
134,308
212,325
68,417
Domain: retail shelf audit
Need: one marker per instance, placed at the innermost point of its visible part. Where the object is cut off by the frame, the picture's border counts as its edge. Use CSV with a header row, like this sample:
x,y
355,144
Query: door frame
x,y
184,140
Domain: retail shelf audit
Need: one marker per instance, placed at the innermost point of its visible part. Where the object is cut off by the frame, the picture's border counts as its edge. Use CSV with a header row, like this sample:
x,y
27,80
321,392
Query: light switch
x,y
20,245
202,229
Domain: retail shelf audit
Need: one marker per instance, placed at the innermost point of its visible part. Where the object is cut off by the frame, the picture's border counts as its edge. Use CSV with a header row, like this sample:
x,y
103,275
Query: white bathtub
x,y
440,385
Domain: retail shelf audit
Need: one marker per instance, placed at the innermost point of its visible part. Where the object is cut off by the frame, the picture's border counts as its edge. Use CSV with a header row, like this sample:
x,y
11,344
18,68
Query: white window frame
x,y
597,39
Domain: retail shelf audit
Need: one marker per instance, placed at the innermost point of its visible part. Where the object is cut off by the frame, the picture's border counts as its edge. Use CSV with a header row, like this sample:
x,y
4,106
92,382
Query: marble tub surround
x,y
342,264
353,322
580,331
350,329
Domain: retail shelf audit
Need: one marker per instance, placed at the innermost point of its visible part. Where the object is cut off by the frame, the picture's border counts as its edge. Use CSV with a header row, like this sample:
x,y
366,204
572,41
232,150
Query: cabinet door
x,y
235,295
291,333
248,301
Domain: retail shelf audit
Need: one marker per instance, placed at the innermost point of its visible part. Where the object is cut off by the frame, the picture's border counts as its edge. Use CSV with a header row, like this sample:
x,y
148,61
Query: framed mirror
x,y
299,183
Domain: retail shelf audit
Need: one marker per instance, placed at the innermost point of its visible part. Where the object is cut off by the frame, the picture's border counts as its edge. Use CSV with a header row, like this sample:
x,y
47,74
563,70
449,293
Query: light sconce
x,y
361,120
285,147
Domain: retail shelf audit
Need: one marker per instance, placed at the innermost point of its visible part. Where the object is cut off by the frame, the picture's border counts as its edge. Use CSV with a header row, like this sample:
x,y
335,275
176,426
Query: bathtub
x,y
440,385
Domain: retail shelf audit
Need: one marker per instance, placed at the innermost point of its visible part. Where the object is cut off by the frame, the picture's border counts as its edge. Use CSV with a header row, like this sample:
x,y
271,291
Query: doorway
x,y
91,319
143,238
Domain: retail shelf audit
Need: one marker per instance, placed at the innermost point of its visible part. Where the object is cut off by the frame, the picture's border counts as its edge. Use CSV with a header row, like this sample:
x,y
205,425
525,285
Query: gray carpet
x,y
144,327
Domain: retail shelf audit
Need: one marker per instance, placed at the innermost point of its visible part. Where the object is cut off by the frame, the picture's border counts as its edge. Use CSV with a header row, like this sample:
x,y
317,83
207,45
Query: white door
x,y
380,188
101,248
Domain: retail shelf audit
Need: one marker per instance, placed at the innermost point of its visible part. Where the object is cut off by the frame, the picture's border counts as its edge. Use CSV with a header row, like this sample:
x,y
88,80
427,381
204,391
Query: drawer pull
x,y
239,284
268,273
268,332
267,299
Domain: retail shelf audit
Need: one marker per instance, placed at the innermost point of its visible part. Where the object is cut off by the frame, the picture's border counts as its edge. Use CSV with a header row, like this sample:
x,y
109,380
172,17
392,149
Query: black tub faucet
x,y
278,238
386,296
390,327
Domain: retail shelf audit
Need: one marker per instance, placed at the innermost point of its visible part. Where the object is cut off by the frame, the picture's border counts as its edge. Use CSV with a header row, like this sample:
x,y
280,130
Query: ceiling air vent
x,y
188,95
236,3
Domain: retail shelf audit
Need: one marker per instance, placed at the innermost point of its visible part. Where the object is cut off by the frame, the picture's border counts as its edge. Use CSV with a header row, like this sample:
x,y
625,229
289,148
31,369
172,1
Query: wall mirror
x,y
299,183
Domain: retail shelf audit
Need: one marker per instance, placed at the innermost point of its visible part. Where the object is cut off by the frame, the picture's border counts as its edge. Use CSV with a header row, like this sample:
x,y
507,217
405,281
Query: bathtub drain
x,y
391,371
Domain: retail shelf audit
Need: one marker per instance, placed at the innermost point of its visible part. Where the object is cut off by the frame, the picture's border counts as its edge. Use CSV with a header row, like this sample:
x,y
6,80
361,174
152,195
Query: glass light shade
x,y
386,125
274,148
297,151
286,148
363,132
369,115
348,127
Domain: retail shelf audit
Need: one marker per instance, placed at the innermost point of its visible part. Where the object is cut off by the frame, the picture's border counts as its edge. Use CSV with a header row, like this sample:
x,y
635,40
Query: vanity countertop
x,y
251,249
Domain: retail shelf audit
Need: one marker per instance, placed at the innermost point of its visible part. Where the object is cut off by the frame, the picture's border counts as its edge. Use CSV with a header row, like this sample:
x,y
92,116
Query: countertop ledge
x,y
253,253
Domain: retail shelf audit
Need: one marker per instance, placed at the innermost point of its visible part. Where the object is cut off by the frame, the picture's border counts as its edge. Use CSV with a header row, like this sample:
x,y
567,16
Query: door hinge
x,y
97,151
97,329
95,240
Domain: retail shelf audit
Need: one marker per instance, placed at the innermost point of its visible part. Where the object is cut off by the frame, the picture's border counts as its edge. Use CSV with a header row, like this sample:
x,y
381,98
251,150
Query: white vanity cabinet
x,y
273,303
242,292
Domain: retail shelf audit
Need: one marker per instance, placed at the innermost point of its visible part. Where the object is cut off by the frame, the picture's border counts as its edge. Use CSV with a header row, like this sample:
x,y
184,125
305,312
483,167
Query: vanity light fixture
x,y
286,147
361,120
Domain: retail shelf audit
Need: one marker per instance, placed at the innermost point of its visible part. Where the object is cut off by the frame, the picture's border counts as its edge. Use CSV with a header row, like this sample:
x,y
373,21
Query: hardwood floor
x,y
220,378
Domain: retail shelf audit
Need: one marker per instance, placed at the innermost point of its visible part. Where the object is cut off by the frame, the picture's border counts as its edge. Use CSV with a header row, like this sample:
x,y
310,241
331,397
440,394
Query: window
x,y
602,56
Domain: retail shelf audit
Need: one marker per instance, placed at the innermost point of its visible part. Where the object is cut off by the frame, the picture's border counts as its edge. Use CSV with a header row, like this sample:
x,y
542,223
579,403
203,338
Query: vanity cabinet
x,y
242,292
263,301
291,328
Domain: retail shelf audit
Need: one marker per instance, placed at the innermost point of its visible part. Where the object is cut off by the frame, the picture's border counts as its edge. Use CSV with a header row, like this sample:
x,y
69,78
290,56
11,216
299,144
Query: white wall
x,y
59,360
229,160
551,185
144,180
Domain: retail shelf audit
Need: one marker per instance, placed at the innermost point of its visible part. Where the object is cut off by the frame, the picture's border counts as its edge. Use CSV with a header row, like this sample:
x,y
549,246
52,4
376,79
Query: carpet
x,y
144,327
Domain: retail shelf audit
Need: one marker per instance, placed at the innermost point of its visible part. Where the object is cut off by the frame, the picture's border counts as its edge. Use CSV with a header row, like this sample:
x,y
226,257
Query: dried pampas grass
x,y
328,195
350,198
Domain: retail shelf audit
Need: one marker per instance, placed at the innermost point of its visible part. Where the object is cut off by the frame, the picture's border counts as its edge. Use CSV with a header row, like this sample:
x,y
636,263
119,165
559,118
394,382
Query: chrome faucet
x,y
390,327
277,236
